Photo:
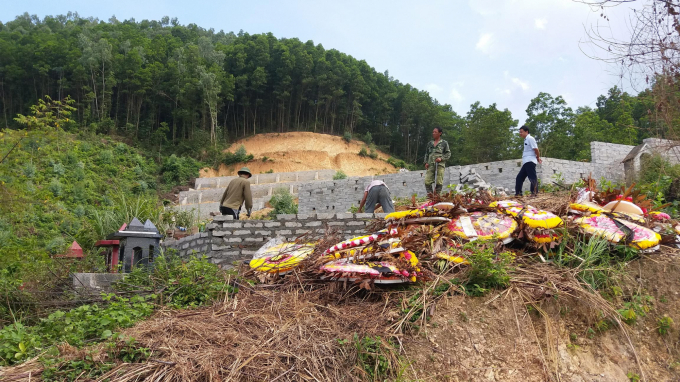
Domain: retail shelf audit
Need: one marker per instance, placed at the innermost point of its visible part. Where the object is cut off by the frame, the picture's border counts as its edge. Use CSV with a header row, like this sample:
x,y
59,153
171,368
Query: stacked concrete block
x,y
339,195
606,153
280,177
227,241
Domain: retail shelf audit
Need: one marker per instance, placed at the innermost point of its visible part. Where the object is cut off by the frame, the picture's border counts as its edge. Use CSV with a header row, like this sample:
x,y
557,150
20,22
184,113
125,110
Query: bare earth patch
x,y
304,151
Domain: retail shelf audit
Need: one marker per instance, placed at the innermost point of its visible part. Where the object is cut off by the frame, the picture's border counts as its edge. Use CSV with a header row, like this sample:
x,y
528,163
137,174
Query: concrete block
x,y
306,216
222,218
263,232
204,234
210,226
216,247
364,215
254,239
293,224
356,223
242,232
284,232
336,224
272,224
221,233
313,224
234,240
96,281
341,216
253,225
232,225
325,216
286,217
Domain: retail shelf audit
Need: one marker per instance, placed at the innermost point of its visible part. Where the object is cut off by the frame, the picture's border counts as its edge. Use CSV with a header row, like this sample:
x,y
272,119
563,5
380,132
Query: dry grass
x,y
261,335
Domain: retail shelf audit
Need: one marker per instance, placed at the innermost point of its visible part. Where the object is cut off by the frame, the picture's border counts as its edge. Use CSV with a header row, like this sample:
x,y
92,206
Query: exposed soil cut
x,y
304,151
499,339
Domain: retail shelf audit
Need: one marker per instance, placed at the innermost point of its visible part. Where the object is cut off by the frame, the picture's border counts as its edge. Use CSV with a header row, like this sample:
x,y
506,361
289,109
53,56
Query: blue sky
x,y
462,51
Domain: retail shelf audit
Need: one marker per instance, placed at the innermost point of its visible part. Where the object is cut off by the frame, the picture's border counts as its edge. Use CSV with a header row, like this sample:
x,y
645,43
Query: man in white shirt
x,y
377,193
530,158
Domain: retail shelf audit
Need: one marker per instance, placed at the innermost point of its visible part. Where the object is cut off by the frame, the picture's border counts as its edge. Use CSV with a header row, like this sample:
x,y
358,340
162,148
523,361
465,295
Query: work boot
x,y
438,189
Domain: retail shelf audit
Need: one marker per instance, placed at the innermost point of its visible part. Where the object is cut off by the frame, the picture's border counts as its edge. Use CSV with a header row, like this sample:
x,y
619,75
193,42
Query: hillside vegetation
x,y
191,91
56,187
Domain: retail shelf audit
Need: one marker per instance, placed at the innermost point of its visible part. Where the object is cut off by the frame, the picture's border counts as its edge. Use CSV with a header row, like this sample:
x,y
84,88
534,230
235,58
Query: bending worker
x,y
436,155
237,192
377,193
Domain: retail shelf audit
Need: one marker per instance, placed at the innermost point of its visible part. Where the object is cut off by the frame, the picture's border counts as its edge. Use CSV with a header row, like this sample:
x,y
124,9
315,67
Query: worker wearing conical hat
x,y
237,192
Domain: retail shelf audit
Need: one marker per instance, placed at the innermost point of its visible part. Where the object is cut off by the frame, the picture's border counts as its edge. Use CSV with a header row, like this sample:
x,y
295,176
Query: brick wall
x,y
227,241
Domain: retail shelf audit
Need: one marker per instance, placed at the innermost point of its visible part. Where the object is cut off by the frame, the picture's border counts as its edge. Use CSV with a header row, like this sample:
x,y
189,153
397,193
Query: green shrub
x,y
283,202
79,193
138,170
182,284
121,148
664,324
398,163
368,138
79,173
347,137
239,156
76,327
55,187
79,211
373,154
179,170
106,156
58,169
487,269
375,356
339,175
655,177
363,152
29,170
56,245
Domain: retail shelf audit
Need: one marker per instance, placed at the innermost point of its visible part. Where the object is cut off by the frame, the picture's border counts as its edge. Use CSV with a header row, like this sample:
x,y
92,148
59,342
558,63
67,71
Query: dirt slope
x,y
303,151
499,339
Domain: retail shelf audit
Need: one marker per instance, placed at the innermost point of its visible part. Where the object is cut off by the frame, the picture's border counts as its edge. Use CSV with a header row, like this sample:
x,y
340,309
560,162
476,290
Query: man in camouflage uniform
x,y
437,154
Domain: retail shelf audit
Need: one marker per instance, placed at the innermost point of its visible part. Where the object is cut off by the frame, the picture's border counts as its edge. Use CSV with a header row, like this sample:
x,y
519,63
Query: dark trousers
x,y
379,194
230,211
528,171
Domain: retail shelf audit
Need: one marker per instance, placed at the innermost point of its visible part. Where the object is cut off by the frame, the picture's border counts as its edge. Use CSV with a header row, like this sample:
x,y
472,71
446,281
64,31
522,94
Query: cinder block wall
x,y
605,153
298,176
227,241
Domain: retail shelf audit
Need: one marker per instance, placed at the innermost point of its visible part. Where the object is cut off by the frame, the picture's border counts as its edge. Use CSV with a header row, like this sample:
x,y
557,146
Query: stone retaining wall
x,y
227,241
280,177
318,193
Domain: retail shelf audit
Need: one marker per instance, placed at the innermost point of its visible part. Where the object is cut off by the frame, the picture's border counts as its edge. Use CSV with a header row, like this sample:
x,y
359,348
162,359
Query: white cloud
x,y
455,96
520,83
433,88
540,23
485,43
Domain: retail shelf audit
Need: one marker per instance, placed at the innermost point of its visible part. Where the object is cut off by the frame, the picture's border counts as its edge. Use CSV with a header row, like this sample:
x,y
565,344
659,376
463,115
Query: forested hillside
x,y
159,81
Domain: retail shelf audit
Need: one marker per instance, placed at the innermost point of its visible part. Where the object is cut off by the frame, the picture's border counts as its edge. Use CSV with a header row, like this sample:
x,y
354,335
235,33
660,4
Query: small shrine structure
x,y
133,245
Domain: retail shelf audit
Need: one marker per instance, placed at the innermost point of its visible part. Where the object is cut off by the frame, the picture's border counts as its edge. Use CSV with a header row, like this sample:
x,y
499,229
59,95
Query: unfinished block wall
x,y
227,241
